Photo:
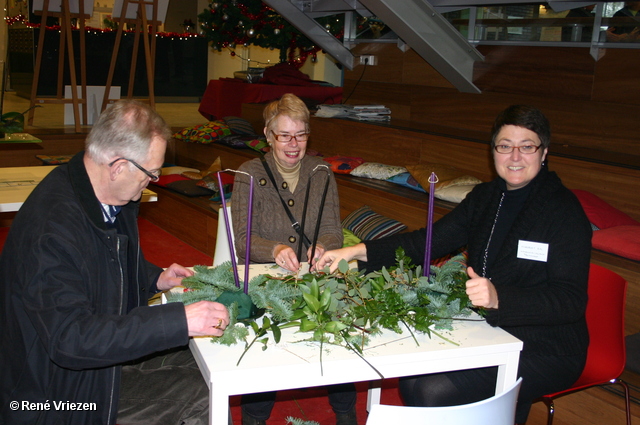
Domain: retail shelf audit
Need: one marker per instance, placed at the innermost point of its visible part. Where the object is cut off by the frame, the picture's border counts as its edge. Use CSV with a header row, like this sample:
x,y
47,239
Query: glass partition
x,y
617,24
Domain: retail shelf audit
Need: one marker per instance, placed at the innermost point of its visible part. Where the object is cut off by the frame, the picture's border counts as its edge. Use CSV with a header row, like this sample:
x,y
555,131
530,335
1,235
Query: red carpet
x,y
162,248
313,404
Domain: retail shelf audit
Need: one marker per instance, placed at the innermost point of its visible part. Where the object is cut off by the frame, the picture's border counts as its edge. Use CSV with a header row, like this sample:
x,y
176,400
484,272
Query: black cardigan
x,y
541,303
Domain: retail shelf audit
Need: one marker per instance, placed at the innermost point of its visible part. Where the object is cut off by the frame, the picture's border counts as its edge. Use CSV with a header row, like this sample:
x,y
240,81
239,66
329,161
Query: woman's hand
x,y
284,256
481,291
172,276
314,257
332,258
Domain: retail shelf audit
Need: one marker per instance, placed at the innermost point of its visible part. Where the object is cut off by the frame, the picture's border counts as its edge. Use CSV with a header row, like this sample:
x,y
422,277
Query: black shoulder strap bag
x,y
294,223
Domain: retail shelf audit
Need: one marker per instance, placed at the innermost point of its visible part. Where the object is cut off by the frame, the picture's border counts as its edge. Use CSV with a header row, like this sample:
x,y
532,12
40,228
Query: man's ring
x,y
219,324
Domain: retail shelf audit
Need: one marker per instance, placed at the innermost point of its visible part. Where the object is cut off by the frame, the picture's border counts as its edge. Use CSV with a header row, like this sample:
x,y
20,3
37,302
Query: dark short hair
x,y
524,116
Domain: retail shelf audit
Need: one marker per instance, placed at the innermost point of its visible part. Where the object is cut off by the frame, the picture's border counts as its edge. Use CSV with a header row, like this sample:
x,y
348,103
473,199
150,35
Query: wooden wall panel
x,y
558,72
389,67
587,102
381,144
617,80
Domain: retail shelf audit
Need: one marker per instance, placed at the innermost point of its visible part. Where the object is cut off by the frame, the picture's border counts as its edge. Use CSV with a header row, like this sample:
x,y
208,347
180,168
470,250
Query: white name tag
x,y
536,251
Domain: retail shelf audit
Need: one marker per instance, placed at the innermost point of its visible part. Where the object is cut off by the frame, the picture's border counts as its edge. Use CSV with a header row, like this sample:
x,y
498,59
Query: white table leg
x,y
508,373
373,395
218,408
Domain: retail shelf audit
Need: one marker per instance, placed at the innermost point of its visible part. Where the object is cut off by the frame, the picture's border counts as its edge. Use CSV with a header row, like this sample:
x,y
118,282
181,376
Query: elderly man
x,y
75,287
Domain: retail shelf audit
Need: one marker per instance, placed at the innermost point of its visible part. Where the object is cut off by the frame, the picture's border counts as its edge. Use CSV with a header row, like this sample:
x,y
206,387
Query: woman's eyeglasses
x,y
526,149
287,138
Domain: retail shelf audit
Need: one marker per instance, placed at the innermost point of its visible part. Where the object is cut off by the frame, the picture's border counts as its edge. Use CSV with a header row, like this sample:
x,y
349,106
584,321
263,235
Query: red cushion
x,y
602,214
620,240
343,164
163,181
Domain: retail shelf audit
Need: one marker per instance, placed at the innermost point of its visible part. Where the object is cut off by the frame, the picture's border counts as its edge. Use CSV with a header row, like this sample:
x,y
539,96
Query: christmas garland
x,y
344,308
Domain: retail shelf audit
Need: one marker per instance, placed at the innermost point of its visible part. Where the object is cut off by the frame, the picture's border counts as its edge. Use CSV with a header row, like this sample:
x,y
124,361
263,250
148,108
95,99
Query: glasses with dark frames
x,y
154,176
526,149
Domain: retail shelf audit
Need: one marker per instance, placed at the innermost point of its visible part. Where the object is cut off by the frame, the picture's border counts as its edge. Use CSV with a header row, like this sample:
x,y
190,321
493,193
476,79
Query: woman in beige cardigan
x,y
297,179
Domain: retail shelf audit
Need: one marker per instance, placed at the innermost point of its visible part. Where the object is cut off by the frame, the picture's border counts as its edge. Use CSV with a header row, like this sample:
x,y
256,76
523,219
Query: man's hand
x,y
172,276
206,318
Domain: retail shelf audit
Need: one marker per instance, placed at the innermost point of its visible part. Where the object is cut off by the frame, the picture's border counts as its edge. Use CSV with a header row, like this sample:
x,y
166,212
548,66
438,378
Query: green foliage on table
x,y
13,122
346,307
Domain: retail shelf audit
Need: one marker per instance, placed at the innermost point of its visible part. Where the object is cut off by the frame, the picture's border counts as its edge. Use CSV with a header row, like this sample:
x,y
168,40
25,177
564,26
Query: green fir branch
x,y
346,308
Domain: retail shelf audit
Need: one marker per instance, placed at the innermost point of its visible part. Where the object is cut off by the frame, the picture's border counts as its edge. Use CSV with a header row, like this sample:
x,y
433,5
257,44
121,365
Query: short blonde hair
x,y
288,105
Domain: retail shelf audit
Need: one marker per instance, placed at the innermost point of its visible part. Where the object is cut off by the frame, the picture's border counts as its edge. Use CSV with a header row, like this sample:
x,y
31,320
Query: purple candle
x,y
248,249
427,254
229,238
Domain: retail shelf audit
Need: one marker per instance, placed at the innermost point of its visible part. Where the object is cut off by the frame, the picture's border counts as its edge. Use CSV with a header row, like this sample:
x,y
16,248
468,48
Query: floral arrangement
x,y
344,308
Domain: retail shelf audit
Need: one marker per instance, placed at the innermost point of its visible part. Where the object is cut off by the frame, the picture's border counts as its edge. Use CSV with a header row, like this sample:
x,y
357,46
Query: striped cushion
x,y
239,126
367,224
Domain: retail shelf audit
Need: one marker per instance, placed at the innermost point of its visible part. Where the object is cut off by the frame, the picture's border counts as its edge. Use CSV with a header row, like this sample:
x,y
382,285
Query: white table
x,y
16,183
289,365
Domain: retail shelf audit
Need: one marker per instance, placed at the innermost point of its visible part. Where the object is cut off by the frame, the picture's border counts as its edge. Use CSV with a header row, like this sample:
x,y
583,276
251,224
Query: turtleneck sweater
x,y
290,175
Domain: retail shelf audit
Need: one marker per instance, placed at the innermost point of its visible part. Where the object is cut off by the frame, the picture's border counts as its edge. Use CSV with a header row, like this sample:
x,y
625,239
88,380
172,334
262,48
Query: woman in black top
x,y
529,245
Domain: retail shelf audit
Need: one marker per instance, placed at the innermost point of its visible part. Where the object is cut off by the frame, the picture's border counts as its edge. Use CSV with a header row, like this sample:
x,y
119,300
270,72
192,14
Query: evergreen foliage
x,y
346,307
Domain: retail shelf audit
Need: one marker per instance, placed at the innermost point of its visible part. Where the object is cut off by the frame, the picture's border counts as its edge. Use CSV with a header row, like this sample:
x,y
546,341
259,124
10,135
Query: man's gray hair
x,y
125,129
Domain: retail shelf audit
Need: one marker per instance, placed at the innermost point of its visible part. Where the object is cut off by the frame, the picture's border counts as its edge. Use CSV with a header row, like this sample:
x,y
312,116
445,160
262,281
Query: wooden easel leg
x,y
72,65
147,54
38,64
83,66
134,64
114,56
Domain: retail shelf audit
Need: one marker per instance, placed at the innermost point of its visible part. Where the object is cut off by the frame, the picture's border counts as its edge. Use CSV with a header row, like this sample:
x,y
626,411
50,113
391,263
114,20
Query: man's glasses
x,y
287,138
154,176
526,149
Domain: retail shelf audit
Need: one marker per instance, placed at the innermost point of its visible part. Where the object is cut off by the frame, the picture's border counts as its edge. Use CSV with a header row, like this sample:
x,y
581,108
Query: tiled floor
x,y
51,116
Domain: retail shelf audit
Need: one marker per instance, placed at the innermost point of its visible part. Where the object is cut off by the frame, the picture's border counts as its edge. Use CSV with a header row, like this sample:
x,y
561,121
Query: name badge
x,y
535,251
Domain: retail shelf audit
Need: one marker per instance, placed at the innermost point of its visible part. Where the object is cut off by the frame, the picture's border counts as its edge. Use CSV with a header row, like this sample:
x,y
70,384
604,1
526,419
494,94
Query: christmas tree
x,y
230,23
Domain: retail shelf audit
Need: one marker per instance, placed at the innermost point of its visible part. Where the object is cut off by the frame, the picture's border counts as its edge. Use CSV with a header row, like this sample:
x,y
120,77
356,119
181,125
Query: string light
x,y
10,20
